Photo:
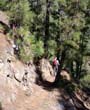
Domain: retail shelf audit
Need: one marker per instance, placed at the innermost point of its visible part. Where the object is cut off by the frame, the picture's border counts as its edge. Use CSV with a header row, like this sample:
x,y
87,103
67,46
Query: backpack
x,y
54,62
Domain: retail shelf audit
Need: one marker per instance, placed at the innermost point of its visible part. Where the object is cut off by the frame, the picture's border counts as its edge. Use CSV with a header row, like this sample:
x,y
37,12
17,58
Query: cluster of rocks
x,y
47,71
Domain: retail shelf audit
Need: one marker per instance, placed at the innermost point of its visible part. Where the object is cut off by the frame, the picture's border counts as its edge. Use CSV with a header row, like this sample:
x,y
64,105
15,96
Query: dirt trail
x,y
15,97
33,102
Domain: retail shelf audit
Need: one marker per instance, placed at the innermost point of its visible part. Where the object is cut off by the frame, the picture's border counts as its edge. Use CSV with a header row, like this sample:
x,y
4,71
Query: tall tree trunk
x,y
77,70
46,26
80,67
72,68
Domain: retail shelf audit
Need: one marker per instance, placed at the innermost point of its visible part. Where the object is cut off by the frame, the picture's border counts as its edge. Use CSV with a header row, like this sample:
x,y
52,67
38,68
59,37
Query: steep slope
x,y
13,94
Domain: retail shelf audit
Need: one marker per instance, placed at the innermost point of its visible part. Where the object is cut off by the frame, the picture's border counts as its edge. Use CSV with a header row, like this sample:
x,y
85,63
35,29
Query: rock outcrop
x,y
4,18
46,70
65,75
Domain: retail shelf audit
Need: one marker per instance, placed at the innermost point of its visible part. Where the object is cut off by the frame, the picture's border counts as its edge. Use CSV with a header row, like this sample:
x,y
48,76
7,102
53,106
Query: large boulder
x,y
46,69
4,18
65,75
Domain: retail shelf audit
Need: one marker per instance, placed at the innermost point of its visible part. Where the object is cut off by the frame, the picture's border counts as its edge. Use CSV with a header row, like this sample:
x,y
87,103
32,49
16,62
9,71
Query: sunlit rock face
x,y
4,18
65,75
46,70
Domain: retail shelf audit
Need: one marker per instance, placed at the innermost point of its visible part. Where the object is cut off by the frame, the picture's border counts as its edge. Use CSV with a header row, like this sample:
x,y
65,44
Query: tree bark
x,y
46,26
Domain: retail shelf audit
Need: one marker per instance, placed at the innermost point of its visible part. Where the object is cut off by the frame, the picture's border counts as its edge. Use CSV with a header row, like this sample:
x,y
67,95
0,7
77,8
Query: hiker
x,y
25,78
55,65
16,49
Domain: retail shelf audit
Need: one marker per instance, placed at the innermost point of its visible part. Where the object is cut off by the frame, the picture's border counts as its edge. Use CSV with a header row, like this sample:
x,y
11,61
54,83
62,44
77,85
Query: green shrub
x,y
25,48
30,48
37,48
51,48
85,81
1,27
25,55
3,4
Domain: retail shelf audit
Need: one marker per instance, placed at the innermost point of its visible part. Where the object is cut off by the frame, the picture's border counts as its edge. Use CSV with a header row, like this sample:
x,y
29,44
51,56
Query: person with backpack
x,y
55,65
